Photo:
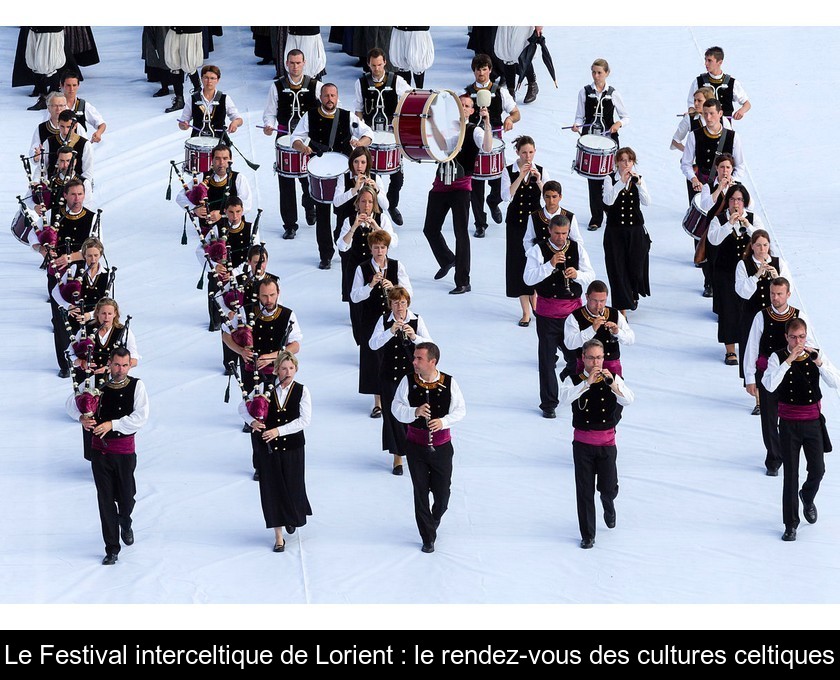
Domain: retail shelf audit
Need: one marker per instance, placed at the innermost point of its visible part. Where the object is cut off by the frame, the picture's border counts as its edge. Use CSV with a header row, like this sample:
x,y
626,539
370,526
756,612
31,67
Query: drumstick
x,y
585,125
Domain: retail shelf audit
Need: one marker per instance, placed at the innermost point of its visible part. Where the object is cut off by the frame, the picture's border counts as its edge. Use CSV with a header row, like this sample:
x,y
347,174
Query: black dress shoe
x,y
324,264
40,105
460,290
109,559
496,214
428,547
397,471
289,234
177,105
444,270
479,232
279,547
533,91
290,529
609,519
64,373
549,413
809,510
790,534
772,472
587,543
396,216
593,227
162,92
127,535
707,290
756,410
256,476
311,217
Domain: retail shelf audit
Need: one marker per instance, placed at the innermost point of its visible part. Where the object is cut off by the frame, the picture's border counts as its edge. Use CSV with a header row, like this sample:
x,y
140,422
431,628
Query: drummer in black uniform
x,y
377,95
289,98
206,111
727,90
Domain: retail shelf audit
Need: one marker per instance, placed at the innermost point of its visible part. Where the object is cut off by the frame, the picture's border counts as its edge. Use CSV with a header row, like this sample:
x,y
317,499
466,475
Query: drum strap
x,y
333,130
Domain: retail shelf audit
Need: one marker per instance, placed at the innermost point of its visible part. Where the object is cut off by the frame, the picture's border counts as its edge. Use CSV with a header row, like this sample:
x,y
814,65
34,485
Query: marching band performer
x,y
395,339
56,103
183,53
538,225
600,111
558,268
626,241
329,128
430,402
706,143
371,283
86,113
308,40
727,90
596,396
122,410
208,109
357,176
67,137
279,449
289,98
377,95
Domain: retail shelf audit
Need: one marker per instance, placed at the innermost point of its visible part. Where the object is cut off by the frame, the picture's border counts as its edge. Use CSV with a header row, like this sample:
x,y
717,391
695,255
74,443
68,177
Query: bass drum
x,y
324,173
429,125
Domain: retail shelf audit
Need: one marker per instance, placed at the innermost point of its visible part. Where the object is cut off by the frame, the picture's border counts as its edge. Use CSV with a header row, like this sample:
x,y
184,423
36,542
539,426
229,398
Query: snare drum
x,y
290,161
198,153
695,222
491,164
413,125
324,174
22,227
595,157
385,153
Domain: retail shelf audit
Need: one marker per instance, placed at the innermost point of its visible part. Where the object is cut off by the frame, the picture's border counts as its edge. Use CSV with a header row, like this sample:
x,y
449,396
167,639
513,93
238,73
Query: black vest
x,y
598,109
73,230
379,100
114,403
219,193
281,414
320,128
541,223
801,384
102,351
217,115
706,148
553,286
468,153
270,332
773,336
92,291
612,350
724,88
79,110
54,143
376,305
293,101
732,248
46,130
527,199
359,250
595,408
761,298
397,354
238,242
439,397
495,109
626,211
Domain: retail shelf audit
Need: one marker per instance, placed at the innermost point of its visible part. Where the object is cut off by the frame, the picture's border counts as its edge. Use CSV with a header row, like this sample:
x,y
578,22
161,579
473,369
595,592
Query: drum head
x,y
330,164
382,138
285,142
445,109
597,142
203,143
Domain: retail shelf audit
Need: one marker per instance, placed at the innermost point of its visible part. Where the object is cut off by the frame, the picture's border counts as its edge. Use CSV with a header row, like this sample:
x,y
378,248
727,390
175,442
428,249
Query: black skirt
x,y
282,485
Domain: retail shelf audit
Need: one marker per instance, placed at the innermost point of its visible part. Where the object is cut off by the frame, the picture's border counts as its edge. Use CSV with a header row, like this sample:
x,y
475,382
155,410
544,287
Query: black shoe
x,y
289,234
256,476
593,227
246,428
109,559
587,543
790,534
549,413
40,105
265,62
324,264
311,217
177,105
479,232
707,290
290,529
162,92
229,371
459,290
772,472
64,373
496,214
444,270
634,306
731,359
533,91
756,410
609,519
279,547
127,535
809,510
396,216
376,412
428,547
397,471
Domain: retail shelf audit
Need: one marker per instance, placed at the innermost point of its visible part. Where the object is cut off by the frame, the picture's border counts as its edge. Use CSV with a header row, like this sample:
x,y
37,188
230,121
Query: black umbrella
x,y
527,58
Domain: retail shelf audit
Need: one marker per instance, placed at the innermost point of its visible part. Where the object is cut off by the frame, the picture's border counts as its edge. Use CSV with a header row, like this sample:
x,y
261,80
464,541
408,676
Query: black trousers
x,y
549,338
596,201
430,473
440,203
796,435
511,73
418,78
395,184
323,231
113,474
61,338
288,200
769,423
594,469
477,199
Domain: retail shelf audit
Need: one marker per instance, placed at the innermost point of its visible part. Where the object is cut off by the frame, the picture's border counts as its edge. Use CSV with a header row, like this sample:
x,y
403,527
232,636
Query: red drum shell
x,y
410,121
490,165
198,154
290,162
595,156
695,222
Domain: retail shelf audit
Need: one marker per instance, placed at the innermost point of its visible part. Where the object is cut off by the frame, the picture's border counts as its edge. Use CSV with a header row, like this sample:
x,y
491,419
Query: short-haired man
x,y
91,123
537,229
728,91
706,143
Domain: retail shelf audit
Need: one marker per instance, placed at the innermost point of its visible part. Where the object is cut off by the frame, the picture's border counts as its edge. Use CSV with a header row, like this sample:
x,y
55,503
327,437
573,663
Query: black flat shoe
x,y
524,324
549,413
397,471
772,472
593,227
707,291
246,428
279,547
289,234
162,92
460,290
376,412
256,476
324,264
731,359
290,529
609,519
40,105
396,216
587,543
311,218
177,105
109,559
428,547
756,410
479,232
496,214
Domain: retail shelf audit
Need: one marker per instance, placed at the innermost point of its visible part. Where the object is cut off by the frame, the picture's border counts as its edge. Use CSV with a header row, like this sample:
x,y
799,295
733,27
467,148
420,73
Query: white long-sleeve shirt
x,y
739,94
382,219
361,290
400,86
269,116
129,341
506,184
341,198
621,114
754,339
537,269
776,371
382,332
405,412
745,285
611,191
231,112
574,337
567,391
358,128
718,232
687,161
128,424
282,393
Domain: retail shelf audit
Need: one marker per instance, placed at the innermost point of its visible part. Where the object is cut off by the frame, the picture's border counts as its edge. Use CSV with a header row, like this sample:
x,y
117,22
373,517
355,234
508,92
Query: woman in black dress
x,y
522,184
279,445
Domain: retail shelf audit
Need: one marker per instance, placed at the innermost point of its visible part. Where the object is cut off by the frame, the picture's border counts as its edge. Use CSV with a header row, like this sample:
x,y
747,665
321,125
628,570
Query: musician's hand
x,y
739,114
87,423
386,284
361,180
373,223
818,360
222,274
409,332
268,435
423,411
771,270
535,173
696,184
598,322
751,389
361,218
268,130
607,374
798,348
257,425
200,211
246,353
60,262
575,128
262,362
77,314
103,428
396,327
96,137
40,209
558,258
611,327
234,125
615,126
37,155
593,376
354,142
183,125
538,30
571,273
507,125
435,425
214,216
377,278
307,150
99,371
